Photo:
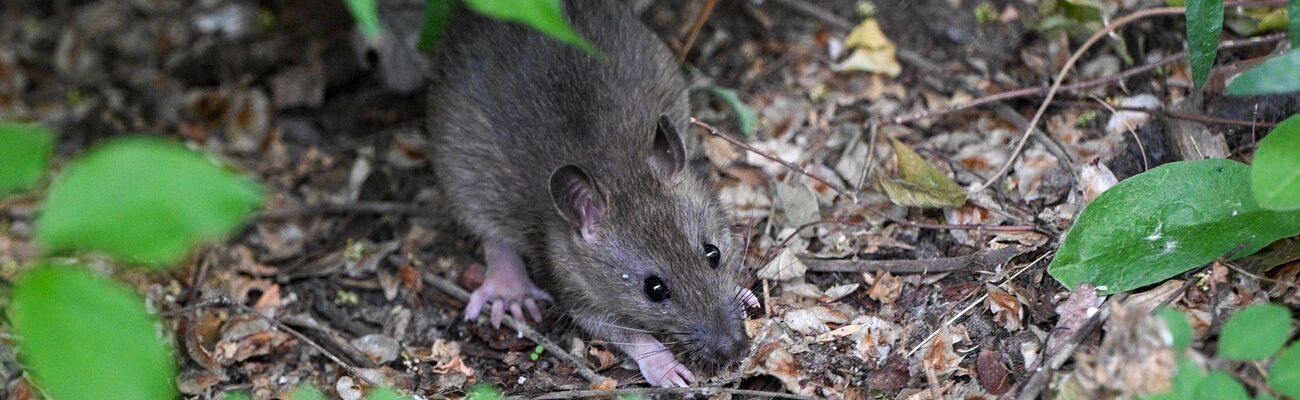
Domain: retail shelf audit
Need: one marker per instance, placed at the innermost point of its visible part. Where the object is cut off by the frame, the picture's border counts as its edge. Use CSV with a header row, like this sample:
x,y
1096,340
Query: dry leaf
x,y
785,267
873,52
887,288
919,184
1006,309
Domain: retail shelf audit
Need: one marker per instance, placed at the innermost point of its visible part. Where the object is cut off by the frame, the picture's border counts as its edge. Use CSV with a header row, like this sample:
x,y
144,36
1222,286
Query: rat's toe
x,y
533,310
498,311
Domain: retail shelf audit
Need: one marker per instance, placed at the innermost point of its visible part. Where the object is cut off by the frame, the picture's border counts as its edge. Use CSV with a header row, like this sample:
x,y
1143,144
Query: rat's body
x,y
574,163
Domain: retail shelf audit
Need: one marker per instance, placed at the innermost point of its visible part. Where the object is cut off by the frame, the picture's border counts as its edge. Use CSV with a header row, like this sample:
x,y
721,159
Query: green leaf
x,y
1204,24
306,391
143,200
483,391
366,14
1221,386
546,16
1284,374
1275,177
1293,14
1179,329
919,184
85,337
384,393
24,151
436,14
1255,332
746,118
1165,221
1274,75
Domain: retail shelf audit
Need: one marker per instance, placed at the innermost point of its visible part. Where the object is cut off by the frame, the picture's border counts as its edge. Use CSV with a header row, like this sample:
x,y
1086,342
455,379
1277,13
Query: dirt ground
x,y
873,300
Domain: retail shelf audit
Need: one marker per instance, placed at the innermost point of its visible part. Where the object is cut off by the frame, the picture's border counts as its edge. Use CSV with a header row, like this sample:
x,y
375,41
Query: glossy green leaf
x,y
1165,221
1274,75
436,15
385,393
746,118
1284,374
84,337
1255,332
366,14
483,391
546,16
1179,329
306,391
24,152
144,200
1204,24
1275,176
1221,386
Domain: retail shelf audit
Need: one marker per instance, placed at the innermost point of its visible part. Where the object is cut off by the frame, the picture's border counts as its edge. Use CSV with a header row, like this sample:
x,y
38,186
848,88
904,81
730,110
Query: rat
x,y
574,161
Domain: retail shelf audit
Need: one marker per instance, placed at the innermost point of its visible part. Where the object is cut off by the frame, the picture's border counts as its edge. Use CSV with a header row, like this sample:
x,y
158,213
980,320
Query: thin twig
x,y
1060,77
772,253
524,330
674,392
1088,84
813,11
972,305
695,30
1204,119
732,139
928,266
1038,381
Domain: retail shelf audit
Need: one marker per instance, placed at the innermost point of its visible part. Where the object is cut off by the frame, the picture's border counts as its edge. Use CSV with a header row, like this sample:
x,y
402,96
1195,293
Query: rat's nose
x,y
723,345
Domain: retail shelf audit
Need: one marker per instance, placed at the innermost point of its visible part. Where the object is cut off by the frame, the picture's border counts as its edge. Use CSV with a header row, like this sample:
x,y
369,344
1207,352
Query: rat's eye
x,y
711,252
655,289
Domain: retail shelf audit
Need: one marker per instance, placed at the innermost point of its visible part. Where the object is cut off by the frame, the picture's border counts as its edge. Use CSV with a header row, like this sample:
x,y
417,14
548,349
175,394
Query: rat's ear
x,y
577,198
668,154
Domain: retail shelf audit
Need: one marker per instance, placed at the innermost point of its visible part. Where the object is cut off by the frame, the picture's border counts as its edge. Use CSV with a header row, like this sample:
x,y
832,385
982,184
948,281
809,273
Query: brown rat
x,y
576,163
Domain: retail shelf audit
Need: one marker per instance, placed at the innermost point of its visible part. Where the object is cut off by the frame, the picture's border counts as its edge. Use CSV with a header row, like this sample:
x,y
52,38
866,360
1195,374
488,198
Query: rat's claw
x,y
533,310
498,311
476,302
517,311
748,297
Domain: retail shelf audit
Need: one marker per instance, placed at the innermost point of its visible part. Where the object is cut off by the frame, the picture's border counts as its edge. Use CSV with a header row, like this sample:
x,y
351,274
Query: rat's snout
x,y
722,345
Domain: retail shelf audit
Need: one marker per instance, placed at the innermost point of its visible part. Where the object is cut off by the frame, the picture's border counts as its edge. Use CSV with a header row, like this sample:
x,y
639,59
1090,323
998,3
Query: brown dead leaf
x,y
1095,179
1074,312
887,287
873,52
939,358
876,340
1006,308
604,358
992,372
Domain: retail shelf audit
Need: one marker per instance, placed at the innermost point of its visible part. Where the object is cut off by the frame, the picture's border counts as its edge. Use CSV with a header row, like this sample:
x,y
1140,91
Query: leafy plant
x,y
1204,25
85,337
1253,333
1276,75
546,16
143,200
1275,177
24,151
1129,237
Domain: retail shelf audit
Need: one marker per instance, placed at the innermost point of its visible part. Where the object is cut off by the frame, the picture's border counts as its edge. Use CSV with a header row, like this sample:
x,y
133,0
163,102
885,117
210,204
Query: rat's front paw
x,y
504,293
662,370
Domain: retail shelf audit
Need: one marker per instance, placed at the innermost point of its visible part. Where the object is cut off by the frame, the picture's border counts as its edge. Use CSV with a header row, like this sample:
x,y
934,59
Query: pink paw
x,y
660,369
512,294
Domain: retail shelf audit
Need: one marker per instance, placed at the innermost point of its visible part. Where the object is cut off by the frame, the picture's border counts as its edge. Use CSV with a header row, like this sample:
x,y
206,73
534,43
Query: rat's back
x,y
509,105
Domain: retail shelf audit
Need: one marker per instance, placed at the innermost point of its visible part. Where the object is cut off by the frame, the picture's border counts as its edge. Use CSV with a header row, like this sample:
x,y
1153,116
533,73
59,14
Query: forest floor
x,y
342,280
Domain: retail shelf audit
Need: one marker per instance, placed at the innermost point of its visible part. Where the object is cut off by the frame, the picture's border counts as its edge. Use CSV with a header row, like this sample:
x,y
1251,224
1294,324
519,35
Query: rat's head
x,y
650,250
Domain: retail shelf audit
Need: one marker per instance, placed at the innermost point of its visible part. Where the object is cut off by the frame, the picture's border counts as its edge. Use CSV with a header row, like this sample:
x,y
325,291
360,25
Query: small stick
x,y
523,329
715,132
934,265
1060,77
674,392
695,30
1205,119
364,207
771,255
1040,90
